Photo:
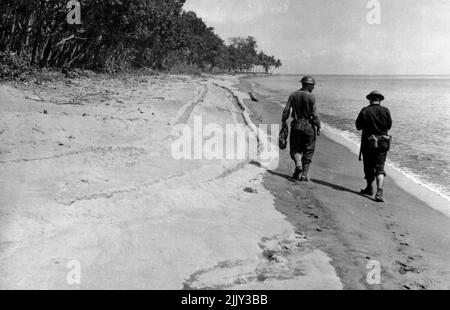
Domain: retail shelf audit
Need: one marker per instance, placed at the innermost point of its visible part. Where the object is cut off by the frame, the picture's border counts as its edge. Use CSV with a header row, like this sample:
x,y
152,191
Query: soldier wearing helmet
x,y
375,122
305,127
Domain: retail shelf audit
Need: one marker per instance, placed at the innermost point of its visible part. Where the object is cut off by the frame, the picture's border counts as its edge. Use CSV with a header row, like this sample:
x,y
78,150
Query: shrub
x,y
12,66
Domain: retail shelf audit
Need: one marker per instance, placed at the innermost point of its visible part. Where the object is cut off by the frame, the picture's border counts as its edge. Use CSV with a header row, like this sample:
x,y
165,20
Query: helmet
x,y
375,94
308,80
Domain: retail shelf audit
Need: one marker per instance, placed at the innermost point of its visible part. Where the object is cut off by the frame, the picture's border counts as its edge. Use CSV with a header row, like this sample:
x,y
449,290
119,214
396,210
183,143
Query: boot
x,y
379,196
304,177
368,190
297,173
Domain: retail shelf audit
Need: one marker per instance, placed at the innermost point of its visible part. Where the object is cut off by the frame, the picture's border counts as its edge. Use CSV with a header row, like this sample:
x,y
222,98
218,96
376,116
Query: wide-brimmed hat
x,y
375,94
308,80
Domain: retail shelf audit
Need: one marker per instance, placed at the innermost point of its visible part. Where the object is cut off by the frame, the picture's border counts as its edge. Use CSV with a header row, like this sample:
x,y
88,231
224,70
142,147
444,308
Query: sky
x,y
335,37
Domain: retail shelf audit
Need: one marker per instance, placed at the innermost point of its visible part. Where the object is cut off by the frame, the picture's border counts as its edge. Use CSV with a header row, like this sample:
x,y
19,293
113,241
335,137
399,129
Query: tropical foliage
x,y
118,35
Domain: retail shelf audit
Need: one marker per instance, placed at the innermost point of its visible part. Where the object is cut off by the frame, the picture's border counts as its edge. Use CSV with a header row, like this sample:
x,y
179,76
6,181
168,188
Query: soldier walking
x,y
305,127
375,122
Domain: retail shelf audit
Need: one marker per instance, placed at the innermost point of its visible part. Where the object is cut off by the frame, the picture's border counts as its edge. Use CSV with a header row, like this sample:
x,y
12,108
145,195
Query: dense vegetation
x,y
118,35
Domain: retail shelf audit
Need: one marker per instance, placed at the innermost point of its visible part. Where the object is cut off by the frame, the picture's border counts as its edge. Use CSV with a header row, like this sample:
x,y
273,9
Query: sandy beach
x,y
87,175
408,235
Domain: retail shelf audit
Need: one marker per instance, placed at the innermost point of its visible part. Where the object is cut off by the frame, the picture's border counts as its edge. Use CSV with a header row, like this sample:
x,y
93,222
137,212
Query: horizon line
x,y
361,74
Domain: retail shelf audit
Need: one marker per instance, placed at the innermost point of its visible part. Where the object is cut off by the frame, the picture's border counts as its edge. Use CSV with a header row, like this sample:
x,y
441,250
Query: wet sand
x,y
409,239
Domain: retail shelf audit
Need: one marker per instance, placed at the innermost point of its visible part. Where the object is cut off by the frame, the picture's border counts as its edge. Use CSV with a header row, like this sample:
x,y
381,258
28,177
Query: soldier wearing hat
x,y
375,122
305,127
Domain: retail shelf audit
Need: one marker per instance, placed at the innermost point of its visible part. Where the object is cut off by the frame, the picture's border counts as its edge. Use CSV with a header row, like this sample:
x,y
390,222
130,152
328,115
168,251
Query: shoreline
x,y
406,180
406,235
412,183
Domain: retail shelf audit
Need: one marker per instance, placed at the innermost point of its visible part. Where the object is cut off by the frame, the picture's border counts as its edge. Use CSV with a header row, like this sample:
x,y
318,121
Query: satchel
x,y
283,138
381,143
303,125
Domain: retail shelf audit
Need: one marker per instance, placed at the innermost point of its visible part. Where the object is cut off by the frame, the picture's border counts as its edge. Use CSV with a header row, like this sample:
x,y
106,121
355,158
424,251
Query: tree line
x,y
118,35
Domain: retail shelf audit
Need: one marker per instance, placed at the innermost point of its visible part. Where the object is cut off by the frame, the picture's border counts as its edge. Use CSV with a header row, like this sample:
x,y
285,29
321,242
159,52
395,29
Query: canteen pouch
x,y
381,143
384,142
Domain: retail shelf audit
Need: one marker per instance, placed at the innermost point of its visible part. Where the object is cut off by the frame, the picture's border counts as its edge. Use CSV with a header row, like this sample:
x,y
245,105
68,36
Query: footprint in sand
x,y
311,215
250,190
415,285
405,268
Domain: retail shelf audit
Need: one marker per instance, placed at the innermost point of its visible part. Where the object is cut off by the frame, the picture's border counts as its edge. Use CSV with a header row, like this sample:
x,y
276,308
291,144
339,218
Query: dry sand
x,y
87,174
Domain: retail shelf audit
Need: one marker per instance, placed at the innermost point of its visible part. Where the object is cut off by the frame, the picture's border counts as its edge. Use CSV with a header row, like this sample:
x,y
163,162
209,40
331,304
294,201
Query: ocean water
x,y
420,108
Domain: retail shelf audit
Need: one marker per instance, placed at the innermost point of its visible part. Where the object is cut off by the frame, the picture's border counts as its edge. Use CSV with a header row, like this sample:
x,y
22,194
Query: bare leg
x,y
379,196
380,181
304,177
298,161
298,167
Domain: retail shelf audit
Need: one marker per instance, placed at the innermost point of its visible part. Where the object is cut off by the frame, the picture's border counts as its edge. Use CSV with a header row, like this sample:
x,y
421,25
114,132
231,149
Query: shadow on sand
x,y
340,188
315,181
287,177
336,187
